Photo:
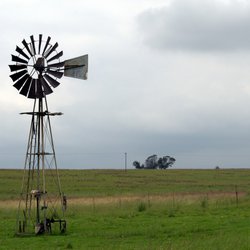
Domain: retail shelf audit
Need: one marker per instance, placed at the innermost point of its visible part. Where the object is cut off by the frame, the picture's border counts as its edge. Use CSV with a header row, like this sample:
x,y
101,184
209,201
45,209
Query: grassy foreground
x,y
141,209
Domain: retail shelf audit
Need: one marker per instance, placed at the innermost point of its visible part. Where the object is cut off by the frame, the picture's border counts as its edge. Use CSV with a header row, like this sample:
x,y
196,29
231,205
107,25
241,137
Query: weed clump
x,y
141,207
204,203
69,246
172,212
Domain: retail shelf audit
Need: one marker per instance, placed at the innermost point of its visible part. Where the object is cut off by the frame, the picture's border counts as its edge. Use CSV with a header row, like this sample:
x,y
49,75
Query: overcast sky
x,y
166,77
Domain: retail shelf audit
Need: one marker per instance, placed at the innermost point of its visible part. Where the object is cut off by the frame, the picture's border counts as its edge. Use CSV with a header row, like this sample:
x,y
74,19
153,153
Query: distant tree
x,y
160,163
152,162
138,165
166,162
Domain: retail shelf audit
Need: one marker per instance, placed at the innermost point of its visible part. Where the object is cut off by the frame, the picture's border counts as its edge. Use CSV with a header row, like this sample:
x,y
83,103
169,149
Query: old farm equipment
x,y
35,72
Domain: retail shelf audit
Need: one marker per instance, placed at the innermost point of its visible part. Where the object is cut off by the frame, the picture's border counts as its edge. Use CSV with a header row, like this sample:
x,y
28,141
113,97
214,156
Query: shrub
x,y
204,203
141,207
69,246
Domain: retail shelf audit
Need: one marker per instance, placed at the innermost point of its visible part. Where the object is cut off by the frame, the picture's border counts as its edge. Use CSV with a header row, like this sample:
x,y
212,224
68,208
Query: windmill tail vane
x,y
36,72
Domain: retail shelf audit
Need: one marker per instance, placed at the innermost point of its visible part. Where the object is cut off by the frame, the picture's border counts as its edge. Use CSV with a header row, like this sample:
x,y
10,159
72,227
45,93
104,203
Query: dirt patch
x,y
179,197
8,203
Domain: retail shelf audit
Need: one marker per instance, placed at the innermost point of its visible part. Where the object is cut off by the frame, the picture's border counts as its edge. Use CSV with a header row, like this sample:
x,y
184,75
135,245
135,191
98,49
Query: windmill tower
x,y
35,72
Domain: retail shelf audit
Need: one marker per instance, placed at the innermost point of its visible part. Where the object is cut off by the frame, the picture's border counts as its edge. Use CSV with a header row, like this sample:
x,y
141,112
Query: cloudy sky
x,y
166,77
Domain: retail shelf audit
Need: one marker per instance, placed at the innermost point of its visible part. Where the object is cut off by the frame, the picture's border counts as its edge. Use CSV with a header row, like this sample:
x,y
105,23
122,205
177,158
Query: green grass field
x,y
140,209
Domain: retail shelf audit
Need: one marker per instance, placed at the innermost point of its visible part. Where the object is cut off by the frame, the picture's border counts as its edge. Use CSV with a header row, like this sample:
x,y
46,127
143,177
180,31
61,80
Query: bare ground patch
x,y
178,197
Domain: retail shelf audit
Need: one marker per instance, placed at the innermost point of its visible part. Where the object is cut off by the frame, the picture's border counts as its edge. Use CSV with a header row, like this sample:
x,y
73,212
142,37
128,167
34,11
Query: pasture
x,y
140,209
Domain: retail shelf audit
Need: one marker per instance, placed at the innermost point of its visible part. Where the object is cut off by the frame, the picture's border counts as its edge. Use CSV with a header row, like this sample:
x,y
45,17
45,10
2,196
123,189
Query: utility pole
x,y
125,162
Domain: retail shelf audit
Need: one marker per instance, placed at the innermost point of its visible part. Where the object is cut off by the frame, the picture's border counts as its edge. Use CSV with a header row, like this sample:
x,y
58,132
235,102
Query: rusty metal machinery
x,y
35,73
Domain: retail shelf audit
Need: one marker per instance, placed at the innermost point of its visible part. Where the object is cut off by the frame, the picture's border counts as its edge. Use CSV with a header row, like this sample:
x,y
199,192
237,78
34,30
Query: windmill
x,y
35,73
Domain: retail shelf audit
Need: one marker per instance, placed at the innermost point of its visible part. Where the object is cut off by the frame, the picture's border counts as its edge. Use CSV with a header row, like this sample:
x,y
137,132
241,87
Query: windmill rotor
x,y
31,66
38,66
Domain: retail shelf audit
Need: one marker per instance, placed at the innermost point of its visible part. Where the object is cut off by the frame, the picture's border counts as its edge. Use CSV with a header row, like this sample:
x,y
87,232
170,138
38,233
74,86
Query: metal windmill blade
x,y
37,67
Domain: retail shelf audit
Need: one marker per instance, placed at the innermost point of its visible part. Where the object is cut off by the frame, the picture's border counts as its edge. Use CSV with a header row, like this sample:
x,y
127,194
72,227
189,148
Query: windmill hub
x,y
35,73
40,65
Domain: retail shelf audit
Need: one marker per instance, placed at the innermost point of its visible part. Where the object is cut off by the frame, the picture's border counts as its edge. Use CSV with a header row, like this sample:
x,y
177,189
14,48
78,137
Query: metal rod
x,y
43,166
40,109
54,154
27,158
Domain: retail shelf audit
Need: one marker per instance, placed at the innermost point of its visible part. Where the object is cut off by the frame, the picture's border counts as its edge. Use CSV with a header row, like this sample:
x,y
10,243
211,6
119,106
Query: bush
x,y
69,246
204,202
141,207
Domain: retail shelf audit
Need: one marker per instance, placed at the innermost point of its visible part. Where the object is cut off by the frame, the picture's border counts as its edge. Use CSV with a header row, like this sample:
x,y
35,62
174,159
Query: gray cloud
x,y
197,25
192,106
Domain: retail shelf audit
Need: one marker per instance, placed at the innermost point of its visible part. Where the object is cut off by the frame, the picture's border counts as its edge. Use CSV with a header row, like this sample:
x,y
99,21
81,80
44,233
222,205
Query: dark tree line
x,y
153,162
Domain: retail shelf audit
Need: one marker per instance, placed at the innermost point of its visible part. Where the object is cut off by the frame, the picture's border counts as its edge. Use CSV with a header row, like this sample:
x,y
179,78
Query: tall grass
x,y
95,183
